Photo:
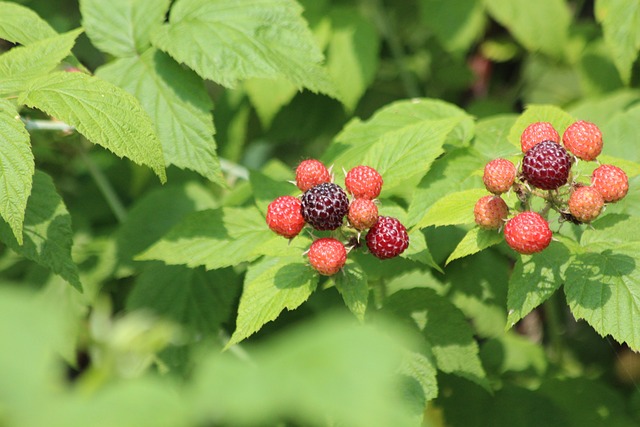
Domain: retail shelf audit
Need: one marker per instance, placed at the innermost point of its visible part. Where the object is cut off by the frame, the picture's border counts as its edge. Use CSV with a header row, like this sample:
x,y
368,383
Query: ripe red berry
x,y
324,206
527,233
537,132
284,216
585,204
611,181
546,166
363,213
310,173
363,182
327,255
583,139
387,238
490,212
499,175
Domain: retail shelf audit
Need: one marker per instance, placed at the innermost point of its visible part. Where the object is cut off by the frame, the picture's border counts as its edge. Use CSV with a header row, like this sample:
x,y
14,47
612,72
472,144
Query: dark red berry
x,y
546,165
387,238
324,206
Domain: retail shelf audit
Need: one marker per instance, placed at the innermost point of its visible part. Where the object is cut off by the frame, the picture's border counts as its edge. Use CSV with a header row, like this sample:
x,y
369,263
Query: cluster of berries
x,y
324,205
547,166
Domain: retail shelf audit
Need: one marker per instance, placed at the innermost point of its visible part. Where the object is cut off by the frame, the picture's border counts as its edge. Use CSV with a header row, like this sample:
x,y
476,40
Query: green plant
x,y
144,142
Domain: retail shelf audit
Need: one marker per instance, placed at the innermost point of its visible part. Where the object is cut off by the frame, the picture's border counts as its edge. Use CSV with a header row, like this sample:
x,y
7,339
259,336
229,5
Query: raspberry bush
x,y
305,212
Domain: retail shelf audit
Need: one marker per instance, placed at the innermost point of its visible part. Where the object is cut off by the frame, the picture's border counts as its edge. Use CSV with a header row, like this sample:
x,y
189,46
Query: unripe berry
x,y
310,173
499,175
585,203
583,139
284,216
611,181
363,182
363,213
327,255
537,132
490,212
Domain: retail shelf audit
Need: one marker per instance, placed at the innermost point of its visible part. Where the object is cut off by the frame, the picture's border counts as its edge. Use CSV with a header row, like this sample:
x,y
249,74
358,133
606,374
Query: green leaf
x,y
47,234
620,135
214,238
177,102
352,284
445,329
620,20
352,54
476,240
454,171
540,113
603,288
542,25
263,38
197,299
534,279
16,166
122,27
102,112
266,189
19,24
512,353
409,152
271,286
456,24
23,63
491,139
358,137
453,209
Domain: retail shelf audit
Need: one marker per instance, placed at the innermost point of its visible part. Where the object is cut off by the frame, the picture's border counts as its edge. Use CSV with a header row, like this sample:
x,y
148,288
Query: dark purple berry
x,y
324,206
546,165
387,238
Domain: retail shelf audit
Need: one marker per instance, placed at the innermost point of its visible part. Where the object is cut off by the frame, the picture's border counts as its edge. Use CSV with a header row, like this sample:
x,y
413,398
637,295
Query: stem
x,y
385,27
47,125
555,327
105,187
234,169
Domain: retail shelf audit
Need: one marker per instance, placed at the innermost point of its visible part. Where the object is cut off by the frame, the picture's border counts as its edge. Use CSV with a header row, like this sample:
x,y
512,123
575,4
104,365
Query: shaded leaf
x,y
620,21
543,25
445,329
534,279
456,24
47,234
604,289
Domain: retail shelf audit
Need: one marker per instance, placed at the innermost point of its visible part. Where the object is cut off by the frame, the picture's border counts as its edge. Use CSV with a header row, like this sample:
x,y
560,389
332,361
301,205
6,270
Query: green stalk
x,y
555,327
105,187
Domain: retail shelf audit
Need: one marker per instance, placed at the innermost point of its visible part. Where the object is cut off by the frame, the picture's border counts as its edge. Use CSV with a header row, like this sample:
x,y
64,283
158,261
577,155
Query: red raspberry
x,y
387,238
363,182
327,255
490,212
546,166
583,139
527,233
537,132
310,173
324,206
585,204
611,182
284,216
499,175
363,213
